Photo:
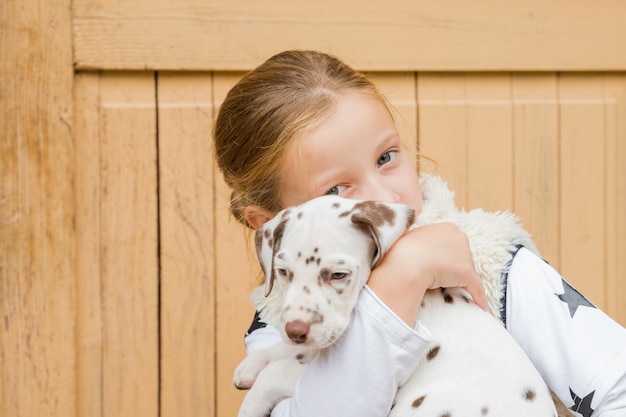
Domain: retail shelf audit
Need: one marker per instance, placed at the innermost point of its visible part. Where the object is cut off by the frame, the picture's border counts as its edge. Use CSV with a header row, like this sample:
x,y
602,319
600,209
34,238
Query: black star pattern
x,y
573,298
582,406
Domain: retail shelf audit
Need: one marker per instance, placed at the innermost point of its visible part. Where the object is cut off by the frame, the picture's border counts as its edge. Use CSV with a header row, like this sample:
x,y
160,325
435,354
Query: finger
x,y
476,290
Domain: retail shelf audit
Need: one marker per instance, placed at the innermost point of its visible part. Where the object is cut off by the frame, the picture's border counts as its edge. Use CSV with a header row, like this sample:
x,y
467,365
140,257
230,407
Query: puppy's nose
x,y
297,330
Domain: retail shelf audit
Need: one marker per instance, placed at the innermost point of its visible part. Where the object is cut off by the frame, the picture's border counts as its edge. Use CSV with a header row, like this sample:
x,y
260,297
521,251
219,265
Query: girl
x,y
304,124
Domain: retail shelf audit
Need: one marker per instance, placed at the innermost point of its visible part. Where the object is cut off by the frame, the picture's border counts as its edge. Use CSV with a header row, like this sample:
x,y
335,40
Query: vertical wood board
x,y
37,208
119,327
583,184
237,273
187,247
536,173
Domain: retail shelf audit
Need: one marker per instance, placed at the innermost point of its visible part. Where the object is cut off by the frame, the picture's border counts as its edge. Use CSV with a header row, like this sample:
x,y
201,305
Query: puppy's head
x,y
316,257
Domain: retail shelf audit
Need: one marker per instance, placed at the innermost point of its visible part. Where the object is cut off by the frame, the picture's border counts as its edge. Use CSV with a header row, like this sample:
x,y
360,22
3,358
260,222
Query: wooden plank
x,y
237,273
442,129
88,254
37,233
117,195
490,141
536,159
187,245
404,35
465,126
615,169
400,91
583,184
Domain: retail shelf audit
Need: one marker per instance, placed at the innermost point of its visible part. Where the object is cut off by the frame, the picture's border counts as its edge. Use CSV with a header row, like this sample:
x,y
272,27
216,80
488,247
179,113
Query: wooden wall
x,y
123,280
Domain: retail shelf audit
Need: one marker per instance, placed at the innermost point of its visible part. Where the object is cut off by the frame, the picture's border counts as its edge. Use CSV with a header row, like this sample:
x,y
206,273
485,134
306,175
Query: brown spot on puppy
x,y
418,402
529,394
433,353
377,213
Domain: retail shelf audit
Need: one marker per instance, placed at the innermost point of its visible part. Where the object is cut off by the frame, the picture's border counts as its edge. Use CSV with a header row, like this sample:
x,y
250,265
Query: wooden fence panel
x,y
535,161
615,93
401,35
592,139
552,148
186,207
37,201
237,273
118,363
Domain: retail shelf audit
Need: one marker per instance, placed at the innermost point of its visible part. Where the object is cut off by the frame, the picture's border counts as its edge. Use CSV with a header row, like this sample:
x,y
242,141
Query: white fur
x,y
476,359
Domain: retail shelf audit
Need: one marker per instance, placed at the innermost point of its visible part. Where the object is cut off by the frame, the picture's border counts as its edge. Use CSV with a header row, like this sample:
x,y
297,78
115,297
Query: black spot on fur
x,y
418,402
335,205
465,298
300,356
529,394
446,414
433,353
448,298
306,289
484,411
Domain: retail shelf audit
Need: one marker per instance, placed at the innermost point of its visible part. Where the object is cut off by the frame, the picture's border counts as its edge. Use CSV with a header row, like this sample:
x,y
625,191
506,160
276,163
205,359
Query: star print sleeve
x,y
577,348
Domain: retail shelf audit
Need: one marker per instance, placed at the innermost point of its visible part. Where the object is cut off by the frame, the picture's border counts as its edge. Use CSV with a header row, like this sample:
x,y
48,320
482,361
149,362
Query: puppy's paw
x,y
247,371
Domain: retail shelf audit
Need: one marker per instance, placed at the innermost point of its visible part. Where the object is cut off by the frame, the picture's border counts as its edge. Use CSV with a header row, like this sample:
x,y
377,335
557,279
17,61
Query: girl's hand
x,y
427,257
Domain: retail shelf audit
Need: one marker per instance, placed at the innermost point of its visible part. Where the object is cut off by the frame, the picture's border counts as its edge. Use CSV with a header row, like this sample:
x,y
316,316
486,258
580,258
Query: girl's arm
x,y
578,349
427,257
360,374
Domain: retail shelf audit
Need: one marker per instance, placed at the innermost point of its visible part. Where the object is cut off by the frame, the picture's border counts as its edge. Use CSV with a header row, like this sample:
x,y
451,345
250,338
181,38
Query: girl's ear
x,y
257,216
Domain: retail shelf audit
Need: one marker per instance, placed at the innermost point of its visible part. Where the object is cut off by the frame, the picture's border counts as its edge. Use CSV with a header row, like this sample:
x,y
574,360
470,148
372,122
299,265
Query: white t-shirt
x,y
578,349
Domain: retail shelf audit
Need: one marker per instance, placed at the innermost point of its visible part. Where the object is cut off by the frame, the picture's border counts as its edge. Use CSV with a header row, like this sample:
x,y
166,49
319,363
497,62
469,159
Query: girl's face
x,y
355,153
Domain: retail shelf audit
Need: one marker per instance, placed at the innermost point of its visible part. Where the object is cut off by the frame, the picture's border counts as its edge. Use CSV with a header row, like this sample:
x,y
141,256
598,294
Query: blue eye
x,y
387,157
336,190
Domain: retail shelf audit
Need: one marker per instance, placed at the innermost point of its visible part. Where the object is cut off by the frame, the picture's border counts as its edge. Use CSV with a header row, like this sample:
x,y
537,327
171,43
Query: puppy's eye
x,y
282,272
338,275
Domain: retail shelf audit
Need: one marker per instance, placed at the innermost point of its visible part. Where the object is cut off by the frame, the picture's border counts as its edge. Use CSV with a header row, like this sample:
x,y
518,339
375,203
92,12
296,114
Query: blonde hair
x,y
270,107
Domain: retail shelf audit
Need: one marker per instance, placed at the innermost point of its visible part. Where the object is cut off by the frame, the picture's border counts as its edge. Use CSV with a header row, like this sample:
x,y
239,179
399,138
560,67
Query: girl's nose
x,y
379,190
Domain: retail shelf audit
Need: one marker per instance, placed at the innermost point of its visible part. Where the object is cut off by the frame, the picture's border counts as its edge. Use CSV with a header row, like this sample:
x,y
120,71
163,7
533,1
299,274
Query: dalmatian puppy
x,y
316,258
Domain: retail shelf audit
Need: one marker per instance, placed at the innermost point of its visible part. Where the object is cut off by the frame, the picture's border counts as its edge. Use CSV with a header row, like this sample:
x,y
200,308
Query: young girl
x,y
304,124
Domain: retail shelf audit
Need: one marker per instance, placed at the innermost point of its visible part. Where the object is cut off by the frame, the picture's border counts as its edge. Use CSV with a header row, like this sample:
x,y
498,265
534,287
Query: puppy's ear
x,y
385,222
267,241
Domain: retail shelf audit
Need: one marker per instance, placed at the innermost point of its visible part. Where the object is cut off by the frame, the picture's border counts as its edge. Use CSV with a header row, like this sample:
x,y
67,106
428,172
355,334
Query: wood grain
x,y
237,273
37,233
401,35
187,245
117,317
